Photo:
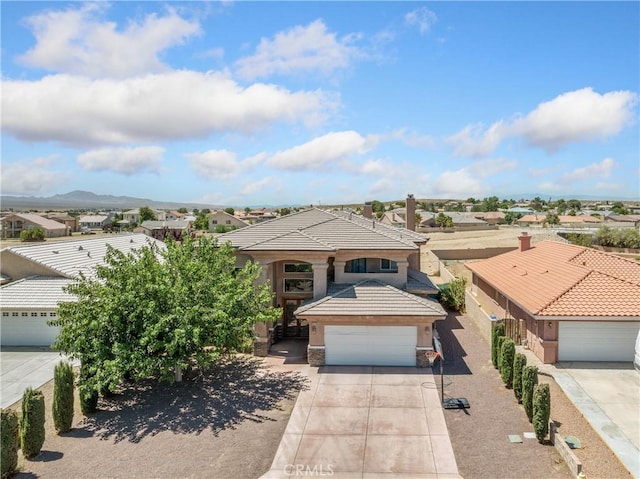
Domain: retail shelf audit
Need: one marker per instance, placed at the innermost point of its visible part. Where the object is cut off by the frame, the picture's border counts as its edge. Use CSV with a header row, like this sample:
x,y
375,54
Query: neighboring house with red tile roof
x,y
15,223
566,302
349,285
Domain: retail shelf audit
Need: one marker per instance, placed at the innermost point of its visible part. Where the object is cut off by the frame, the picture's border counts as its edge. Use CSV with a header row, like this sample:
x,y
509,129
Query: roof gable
x,y
45,223
69,258
317,228
372,298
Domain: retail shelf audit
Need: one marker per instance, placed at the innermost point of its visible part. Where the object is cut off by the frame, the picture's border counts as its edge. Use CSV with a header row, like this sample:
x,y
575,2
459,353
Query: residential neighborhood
x,y
350,239
359,291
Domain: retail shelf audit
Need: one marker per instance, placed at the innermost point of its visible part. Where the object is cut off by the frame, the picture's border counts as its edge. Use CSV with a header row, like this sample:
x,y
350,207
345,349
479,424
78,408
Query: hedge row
x,y
516,374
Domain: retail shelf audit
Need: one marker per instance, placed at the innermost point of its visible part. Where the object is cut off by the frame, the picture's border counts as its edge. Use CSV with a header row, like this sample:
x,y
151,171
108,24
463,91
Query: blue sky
x,y
273,103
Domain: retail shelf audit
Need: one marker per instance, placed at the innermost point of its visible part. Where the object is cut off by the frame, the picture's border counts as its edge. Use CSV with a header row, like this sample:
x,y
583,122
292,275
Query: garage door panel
x,y
597,341
370,345
27,332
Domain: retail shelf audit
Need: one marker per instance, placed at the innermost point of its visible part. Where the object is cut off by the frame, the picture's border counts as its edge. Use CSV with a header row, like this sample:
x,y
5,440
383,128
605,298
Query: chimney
x,y
525,241
410,210
368,210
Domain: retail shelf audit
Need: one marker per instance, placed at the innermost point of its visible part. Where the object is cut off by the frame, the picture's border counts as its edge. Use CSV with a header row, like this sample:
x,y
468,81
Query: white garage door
x,y
27,331
370,345
597,341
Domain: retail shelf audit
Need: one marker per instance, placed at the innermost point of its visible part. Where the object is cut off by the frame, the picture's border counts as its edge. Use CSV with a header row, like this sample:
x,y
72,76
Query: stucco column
x,y
338,270
319,279
262,341
402,271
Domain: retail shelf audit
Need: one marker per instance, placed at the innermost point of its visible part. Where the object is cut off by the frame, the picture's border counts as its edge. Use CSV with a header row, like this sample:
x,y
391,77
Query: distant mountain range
x,y
85,200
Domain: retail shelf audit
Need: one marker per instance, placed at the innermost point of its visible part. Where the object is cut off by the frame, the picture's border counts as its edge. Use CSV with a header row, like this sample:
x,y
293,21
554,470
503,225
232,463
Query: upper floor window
x,y
214,222
298,268
388,265
298,285
356,266
228,222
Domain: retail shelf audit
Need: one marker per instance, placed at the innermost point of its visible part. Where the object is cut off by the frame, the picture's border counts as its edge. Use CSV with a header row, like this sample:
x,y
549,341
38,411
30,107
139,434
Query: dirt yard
x,y
226,423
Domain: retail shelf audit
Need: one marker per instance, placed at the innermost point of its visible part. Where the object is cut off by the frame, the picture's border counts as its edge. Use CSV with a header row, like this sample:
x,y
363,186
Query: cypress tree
x,y
496,332
541,411
62,408
507,352
529,381
32,423
499,346
519,363
10,442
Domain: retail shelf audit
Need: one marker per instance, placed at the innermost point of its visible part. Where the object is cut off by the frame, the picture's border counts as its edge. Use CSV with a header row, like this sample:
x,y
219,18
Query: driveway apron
x,y
365,422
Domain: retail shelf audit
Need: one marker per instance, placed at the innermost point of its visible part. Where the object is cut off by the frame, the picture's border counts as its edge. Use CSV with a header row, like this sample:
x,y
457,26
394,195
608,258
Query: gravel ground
x,y
226,423
479,435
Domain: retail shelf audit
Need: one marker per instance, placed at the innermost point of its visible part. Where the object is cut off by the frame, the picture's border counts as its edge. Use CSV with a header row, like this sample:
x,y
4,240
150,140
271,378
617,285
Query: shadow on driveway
x,y
454,352
240,389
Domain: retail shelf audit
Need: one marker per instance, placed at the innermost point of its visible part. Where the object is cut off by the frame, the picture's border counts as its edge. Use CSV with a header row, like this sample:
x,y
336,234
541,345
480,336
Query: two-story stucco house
x,y
350,284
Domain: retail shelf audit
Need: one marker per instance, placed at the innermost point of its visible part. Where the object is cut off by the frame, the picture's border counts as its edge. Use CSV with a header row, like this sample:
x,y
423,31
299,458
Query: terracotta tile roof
x,y
557,279
372,298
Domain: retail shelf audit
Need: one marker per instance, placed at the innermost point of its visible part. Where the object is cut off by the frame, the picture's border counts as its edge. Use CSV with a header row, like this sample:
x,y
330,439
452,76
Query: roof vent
x,y
89,254
55,252
80,248
131,240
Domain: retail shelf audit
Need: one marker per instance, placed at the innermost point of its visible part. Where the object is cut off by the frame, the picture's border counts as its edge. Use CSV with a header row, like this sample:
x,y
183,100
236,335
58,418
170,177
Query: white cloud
x,y
81,41
81,111
220,164
31,177
576,116
126,161
581,115
260,185
589,172
471,141
423,18
410,138
306,49
470,180
322,151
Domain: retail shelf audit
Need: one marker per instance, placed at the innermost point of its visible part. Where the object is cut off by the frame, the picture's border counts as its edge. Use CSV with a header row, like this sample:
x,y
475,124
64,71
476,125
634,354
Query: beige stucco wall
x,y
17,267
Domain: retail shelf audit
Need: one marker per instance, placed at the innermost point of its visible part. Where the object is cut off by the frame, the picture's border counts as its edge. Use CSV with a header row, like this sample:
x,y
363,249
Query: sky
x,y
295,103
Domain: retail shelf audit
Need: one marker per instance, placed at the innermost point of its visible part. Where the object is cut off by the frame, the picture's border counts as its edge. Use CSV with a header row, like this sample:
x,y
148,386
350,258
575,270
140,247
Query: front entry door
x,y
294,327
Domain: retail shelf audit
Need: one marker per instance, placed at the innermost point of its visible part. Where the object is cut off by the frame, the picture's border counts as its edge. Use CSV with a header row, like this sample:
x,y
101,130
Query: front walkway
x,y
366,422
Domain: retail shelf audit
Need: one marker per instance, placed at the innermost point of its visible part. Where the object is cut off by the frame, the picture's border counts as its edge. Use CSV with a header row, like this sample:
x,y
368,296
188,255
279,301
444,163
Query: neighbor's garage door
x,y
370,345
27,331
597,341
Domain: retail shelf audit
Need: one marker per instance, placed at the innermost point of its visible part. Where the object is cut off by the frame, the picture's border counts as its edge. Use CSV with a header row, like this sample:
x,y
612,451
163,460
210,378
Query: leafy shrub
x,y
62,408
32,234
453,297
88,399
10,441
508,352
519,363
496,332
529,381
32,423
541,411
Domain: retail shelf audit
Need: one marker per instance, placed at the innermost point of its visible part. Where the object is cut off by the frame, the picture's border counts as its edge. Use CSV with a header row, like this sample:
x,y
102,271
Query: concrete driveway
x,y
24,367
359,421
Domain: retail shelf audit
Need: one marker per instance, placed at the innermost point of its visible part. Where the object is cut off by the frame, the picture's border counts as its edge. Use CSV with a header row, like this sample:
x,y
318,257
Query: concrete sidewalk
x,y
22,368
608,396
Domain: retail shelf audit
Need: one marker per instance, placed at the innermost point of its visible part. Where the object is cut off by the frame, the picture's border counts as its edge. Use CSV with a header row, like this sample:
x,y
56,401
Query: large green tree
x,y
153,312
146,213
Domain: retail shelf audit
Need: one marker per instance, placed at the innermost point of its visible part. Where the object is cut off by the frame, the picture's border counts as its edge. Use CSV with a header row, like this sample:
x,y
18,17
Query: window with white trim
x,y
5,313
34,315
388,265
25,314
14,314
